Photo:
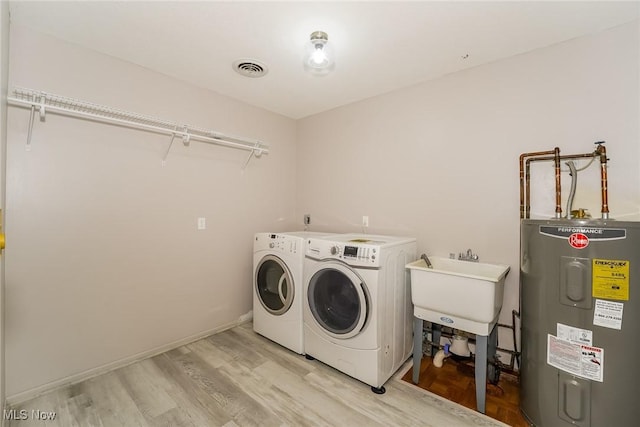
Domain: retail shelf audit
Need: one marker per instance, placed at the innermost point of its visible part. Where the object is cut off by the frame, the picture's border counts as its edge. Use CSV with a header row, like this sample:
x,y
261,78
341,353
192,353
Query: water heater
x,y
580,312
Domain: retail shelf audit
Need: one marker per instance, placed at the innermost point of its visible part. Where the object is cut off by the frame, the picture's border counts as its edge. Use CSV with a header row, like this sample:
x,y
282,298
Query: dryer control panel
x,y
277,243
354,254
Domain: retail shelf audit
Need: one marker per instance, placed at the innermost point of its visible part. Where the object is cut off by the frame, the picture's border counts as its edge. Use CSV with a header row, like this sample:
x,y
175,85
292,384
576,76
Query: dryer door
x,y
337,299
274,285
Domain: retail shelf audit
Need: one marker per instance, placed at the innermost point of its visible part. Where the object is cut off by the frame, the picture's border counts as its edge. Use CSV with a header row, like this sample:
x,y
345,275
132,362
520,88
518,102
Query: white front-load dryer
x,y
278,260
357,312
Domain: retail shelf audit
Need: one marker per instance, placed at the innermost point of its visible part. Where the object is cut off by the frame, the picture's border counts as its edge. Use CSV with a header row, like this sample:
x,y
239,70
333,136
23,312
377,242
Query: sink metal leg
x,y
486,348
481,372
417,349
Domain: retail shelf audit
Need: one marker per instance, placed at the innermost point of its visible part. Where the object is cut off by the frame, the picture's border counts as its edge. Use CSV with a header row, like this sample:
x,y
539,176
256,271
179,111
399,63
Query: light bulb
x,y
318,59
318,56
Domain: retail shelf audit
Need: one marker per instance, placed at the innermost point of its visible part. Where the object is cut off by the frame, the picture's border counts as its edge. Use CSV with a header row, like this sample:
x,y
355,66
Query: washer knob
x,y
272,245
335,250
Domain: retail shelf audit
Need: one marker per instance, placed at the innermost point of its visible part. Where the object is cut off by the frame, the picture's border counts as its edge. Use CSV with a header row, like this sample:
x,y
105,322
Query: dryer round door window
x,y
274,285
337,300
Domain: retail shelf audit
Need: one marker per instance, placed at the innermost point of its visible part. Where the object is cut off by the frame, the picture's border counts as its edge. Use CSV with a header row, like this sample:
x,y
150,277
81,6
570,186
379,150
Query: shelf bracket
x,y
164,159
186,136
42,98
256,152
43,111
30,130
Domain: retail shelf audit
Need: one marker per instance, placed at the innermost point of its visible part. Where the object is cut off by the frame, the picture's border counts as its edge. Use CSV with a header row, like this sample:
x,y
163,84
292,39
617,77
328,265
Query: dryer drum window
x,y
334,301
274,285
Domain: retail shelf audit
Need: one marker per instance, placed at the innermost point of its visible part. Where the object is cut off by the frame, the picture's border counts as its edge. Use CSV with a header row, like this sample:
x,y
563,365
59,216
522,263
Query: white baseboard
x,y
82,376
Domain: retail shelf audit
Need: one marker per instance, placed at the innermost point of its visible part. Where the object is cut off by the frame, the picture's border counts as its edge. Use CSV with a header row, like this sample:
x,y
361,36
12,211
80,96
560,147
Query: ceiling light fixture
x,y
319,56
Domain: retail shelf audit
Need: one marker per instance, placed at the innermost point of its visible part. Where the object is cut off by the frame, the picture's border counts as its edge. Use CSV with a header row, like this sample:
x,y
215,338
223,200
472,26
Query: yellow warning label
x,y
610,279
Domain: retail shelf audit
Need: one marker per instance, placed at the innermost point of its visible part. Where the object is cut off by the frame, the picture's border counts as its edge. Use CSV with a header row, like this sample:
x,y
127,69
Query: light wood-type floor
x,y
238,378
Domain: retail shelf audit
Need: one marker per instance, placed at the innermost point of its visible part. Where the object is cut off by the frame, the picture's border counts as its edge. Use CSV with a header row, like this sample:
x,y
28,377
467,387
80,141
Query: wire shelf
x,y
44,102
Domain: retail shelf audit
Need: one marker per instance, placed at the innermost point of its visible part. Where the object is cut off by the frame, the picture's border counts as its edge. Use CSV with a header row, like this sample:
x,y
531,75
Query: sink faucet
x,y
469,256
426,260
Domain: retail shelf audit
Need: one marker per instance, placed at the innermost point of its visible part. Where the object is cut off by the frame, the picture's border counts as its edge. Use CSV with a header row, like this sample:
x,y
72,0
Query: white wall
x,y
104,260
4,74
439,161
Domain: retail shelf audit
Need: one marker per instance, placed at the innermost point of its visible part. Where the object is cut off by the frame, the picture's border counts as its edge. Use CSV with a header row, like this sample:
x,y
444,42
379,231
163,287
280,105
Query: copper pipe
x,y
528,198
556,160
602,152
564,157
528,201
545,158
522,186
525,180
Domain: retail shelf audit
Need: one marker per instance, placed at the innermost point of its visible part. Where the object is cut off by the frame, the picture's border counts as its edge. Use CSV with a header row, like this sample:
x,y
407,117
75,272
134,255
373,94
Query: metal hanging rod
x,y
44,102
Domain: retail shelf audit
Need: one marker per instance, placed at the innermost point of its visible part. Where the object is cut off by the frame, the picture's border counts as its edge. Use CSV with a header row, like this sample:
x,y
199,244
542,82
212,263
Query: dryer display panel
x,y
274,285
337,302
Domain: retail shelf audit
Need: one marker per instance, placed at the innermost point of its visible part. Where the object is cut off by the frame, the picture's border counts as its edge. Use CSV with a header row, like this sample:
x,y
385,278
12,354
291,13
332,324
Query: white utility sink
x,y
461,294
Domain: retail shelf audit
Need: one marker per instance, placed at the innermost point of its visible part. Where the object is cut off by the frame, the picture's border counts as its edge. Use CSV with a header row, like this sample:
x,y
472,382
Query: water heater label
x,y
575,335
591,233
608,314
610,279
581,360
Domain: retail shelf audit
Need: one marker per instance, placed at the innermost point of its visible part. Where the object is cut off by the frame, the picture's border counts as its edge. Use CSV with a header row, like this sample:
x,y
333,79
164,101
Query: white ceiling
x,y
379,46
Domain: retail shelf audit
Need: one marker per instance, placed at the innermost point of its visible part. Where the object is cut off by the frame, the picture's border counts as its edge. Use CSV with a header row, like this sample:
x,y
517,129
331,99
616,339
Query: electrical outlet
x,y
307,219
365,221
202,223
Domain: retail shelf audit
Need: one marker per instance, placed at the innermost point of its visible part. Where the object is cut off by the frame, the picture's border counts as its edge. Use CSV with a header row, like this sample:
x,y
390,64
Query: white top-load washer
x,y
357,312
278,260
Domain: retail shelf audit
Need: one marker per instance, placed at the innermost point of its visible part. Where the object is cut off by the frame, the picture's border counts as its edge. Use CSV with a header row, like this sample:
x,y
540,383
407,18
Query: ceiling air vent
x,y
250,68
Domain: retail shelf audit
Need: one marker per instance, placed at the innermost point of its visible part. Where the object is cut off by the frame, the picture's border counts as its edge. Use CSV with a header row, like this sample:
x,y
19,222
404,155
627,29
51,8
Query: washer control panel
x,y
355,254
